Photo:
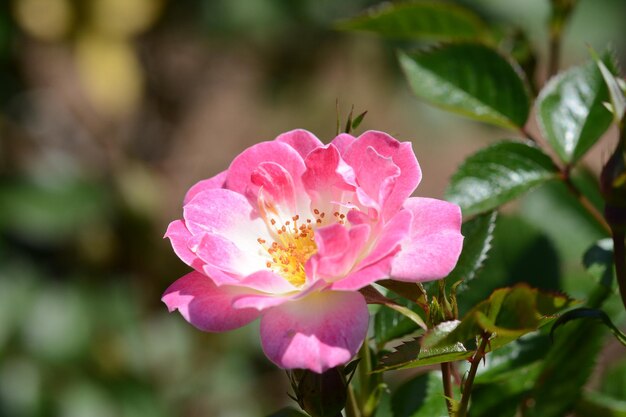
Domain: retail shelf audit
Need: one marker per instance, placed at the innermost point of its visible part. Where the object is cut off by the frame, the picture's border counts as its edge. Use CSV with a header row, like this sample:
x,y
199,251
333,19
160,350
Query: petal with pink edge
x,y
401,154
301,140
277,187
179,236
337,250
239,177
205,305
343,142
318,332
365,276
214,182
327,176
435,242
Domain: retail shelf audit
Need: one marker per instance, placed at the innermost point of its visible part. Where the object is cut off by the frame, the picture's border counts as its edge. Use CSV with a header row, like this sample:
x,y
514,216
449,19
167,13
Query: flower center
x,y
292,247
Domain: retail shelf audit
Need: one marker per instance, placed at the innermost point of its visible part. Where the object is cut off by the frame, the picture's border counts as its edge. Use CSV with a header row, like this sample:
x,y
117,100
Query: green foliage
x,y
570,110
498,174
288,412
590,313
470,79
615,85
419,20
505,316
478,233
421,396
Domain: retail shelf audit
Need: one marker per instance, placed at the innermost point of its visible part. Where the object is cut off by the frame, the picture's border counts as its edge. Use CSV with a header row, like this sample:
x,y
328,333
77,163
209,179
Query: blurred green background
x,y
111,109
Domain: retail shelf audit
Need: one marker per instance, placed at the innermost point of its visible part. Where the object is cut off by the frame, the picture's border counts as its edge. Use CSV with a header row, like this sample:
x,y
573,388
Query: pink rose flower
x,y
293,229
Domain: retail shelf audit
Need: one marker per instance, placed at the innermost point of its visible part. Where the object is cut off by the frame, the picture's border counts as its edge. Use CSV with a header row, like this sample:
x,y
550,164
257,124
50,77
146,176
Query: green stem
x,y
365,370
446,375
352,407
469,382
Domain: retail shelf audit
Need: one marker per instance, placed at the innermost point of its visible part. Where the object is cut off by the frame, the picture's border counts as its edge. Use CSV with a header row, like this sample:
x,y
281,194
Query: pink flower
x,y
293,229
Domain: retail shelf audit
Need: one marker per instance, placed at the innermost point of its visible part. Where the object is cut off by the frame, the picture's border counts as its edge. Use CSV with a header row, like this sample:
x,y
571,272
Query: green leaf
x,y
390,324
571,358
590,313
570,111
288,412
411,354
513,360
478,234
617,92
506,315
498,174
599,261
470,79
595,404
419,20
421,396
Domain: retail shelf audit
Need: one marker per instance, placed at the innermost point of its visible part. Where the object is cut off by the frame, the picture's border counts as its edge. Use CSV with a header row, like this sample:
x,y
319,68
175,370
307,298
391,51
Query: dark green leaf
x,y
357,120
570,111
595,404
614,379
421,396
590,313
288,412
390,324
599,261
571,358
478,234
470,79
418,20
498,174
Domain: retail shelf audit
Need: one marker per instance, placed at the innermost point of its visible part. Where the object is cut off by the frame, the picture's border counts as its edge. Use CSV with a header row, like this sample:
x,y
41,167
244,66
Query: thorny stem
x,y
447,385
469,382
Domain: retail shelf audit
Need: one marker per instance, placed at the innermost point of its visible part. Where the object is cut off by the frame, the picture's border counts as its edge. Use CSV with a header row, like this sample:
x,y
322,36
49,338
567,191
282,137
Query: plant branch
x,y
352,407
554,53
469,382
365,370
619,258
584,201
446,375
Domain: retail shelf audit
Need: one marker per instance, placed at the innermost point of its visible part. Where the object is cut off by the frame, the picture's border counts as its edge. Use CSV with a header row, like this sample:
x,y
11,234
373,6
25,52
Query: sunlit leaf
x,y
470,79
498,174
570,111
418,20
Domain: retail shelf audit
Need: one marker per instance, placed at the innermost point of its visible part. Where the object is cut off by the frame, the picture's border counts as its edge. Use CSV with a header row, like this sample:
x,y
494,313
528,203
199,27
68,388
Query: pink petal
x,y
401,154
365,276
376,175
435,242
343,142
227,213
268,282
391,237
179,236
239,177
213,182
205,305
277,185
327,177
301,140
337,250
318,332
223,254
